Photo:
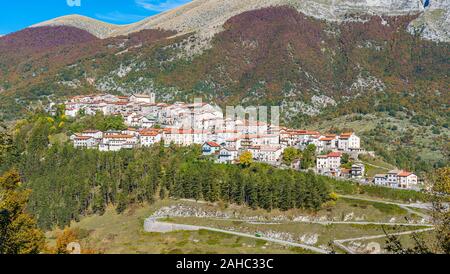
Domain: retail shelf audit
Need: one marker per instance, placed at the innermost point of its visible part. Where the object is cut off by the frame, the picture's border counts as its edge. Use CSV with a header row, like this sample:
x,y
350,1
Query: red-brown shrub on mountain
x,y
44,38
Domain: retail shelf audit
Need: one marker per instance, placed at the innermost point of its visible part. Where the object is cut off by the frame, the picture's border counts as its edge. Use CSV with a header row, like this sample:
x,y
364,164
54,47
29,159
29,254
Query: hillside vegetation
x,y
316,70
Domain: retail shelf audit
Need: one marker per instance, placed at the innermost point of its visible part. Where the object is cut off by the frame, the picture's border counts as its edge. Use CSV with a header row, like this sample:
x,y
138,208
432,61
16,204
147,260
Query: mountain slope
x,y
43,38
95,27
317,70
208,16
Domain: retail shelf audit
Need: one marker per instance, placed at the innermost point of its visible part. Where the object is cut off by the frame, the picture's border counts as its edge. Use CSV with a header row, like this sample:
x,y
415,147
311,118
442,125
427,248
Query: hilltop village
x,y
223,139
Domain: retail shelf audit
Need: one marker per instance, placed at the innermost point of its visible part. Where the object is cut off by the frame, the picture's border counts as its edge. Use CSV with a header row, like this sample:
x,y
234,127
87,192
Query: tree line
x,y
68,183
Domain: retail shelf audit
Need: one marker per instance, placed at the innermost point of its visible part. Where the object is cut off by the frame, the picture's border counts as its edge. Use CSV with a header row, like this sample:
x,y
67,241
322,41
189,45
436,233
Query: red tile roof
x,y
149,133
212,144
326,139
119,136
404,173
83,137
334,154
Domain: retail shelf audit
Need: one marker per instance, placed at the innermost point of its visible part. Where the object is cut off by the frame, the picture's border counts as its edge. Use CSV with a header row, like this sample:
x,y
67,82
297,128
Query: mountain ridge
x,y
208,16
316,70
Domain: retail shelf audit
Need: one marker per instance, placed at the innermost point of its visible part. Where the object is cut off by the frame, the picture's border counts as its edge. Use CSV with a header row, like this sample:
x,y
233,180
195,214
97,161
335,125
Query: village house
x,y
227,155
357,170
143,98
348,142
97,134
407,180
234,143
148,138
380,180
210,148
186,137
116,142
84,142
329,164
328,142
267,154
251,127
397,179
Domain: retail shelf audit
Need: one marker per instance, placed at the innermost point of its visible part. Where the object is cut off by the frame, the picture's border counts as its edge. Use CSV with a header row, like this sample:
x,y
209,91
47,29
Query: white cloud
x,y
160,5
119,17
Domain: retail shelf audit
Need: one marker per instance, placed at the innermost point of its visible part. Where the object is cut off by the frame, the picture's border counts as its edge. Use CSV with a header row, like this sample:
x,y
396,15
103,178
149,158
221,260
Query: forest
x,y
68,183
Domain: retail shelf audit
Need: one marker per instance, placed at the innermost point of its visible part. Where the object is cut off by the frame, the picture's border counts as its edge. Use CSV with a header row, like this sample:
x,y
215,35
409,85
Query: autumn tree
x,y
19,233
308,157
63,239
246,158
439,242
290,154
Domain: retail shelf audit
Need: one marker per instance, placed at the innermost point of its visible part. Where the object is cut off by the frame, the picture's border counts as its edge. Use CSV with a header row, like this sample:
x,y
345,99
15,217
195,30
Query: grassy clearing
x,y
306,233
382,193
406,241
381,207
122,234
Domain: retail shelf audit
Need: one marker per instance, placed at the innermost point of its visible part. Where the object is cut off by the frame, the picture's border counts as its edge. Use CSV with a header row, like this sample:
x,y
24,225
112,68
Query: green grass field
x,y
406,240
314,234
118,234
123,233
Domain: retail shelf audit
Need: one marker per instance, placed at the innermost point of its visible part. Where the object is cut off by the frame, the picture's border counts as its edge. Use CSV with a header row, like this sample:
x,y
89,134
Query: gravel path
x,y
340,243
153,225
407,207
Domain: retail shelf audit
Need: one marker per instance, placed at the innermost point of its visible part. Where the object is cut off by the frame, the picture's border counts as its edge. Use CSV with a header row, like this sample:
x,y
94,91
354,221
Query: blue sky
x,y
18,14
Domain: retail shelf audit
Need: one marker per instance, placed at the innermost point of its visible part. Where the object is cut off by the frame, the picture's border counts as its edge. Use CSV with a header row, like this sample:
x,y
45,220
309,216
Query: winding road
x,y
407,207
153,224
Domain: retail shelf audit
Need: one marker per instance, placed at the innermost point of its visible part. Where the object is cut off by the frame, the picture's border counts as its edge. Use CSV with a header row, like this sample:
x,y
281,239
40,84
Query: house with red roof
x,y
210,148
348,142
227,155
328,142
149,137
397,179
80,141
329,164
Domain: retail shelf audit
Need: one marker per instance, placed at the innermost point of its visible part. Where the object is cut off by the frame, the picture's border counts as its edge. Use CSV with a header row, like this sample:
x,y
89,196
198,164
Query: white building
x,y
227,155
143,98
97,134
116,142
358,170
210,148
397,179
380,180
268,154
84,142
149,138
329,164
328,142
349,142
407,180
